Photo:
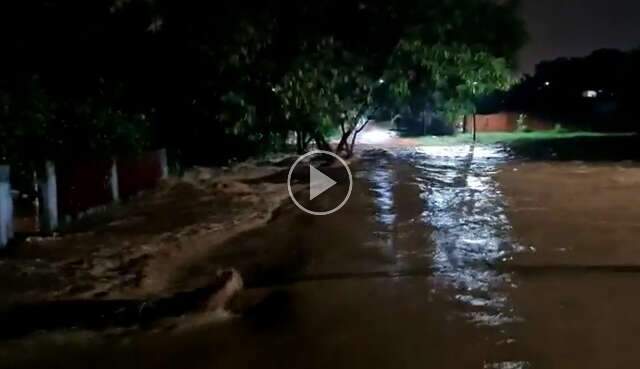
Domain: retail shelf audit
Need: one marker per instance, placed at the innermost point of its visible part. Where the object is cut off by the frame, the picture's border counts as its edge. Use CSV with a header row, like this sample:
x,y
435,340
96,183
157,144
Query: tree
x,y
447,80
326,90
229,79
25,124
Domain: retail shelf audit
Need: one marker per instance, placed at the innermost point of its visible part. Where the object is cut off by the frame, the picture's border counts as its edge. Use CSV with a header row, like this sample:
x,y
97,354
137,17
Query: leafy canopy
x,y
216,80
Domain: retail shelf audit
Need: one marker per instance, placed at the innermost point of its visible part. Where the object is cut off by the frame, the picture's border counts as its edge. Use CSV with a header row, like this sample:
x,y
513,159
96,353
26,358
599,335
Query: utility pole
x,y
475,110
474,124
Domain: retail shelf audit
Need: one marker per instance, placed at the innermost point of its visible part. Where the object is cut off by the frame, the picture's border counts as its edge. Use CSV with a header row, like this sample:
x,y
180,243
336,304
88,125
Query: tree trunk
x,y
321,142
299,142
344,141
355,136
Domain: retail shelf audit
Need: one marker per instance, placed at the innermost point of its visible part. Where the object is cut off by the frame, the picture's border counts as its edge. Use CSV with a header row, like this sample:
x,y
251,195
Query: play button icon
x,y
329,182
318,182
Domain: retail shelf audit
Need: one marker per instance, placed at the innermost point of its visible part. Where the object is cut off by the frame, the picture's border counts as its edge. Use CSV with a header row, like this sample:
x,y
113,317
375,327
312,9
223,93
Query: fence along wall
x,y
136,174
83,185
90,184
70,189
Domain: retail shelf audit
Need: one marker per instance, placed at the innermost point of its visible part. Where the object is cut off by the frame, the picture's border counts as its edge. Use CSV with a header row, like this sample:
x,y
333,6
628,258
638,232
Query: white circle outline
x,y
300,159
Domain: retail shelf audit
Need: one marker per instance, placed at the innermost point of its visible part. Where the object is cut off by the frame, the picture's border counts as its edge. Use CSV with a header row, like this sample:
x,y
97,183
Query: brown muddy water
x,y
444,257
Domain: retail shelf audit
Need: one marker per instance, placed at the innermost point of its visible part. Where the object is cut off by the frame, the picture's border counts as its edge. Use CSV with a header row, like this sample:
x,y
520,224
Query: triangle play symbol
x,y
318,182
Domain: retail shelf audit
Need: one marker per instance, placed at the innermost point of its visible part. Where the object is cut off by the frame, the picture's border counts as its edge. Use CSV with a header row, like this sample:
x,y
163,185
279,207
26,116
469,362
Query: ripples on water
x,y
464,209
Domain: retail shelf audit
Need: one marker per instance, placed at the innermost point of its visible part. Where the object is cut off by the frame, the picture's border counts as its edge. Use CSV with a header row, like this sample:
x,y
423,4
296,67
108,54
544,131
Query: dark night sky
x,y
577,27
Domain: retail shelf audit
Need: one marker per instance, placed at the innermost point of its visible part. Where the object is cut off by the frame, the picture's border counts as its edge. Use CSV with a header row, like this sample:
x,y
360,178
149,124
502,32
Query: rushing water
x,y
463,209
404,276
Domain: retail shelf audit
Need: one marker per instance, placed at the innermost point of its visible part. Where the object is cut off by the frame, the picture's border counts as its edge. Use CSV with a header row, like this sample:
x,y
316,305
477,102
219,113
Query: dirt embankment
x,y
133,250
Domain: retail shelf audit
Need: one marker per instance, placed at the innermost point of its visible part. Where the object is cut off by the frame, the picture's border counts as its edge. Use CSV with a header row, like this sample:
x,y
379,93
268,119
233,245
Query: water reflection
x,y
464,210
403,275
381,178
395,194
471,228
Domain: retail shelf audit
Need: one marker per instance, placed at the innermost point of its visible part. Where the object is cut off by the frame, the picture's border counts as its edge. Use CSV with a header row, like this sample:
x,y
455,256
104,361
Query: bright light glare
x,y
374,136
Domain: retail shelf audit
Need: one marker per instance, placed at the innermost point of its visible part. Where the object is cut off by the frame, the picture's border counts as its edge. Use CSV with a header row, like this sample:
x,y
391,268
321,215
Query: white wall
x,y
6,207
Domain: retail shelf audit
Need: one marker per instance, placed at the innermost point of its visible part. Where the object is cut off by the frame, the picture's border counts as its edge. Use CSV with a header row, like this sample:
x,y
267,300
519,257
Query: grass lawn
x,y
554,145
511,137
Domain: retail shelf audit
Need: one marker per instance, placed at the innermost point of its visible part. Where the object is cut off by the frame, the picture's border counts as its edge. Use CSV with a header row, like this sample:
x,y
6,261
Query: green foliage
x,y
36,127
225,79
110,132
447,78
325,89
24,123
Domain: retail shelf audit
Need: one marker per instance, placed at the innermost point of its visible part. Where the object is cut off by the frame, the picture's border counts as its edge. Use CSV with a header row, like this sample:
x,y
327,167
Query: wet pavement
x,y
435,262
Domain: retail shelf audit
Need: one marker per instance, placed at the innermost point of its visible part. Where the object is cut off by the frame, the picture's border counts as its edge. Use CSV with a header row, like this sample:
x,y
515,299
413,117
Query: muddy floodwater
x,y
444,257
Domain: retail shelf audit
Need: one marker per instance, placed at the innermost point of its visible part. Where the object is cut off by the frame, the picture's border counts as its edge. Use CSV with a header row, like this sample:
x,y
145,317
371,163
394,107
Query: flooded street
x,y
444,257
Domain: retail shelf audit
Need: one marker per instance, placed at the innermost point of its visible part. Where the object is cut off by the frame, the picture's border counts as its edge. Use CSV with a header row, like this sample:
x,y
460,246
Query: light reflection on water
x,y
469,228
435,208
381,178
